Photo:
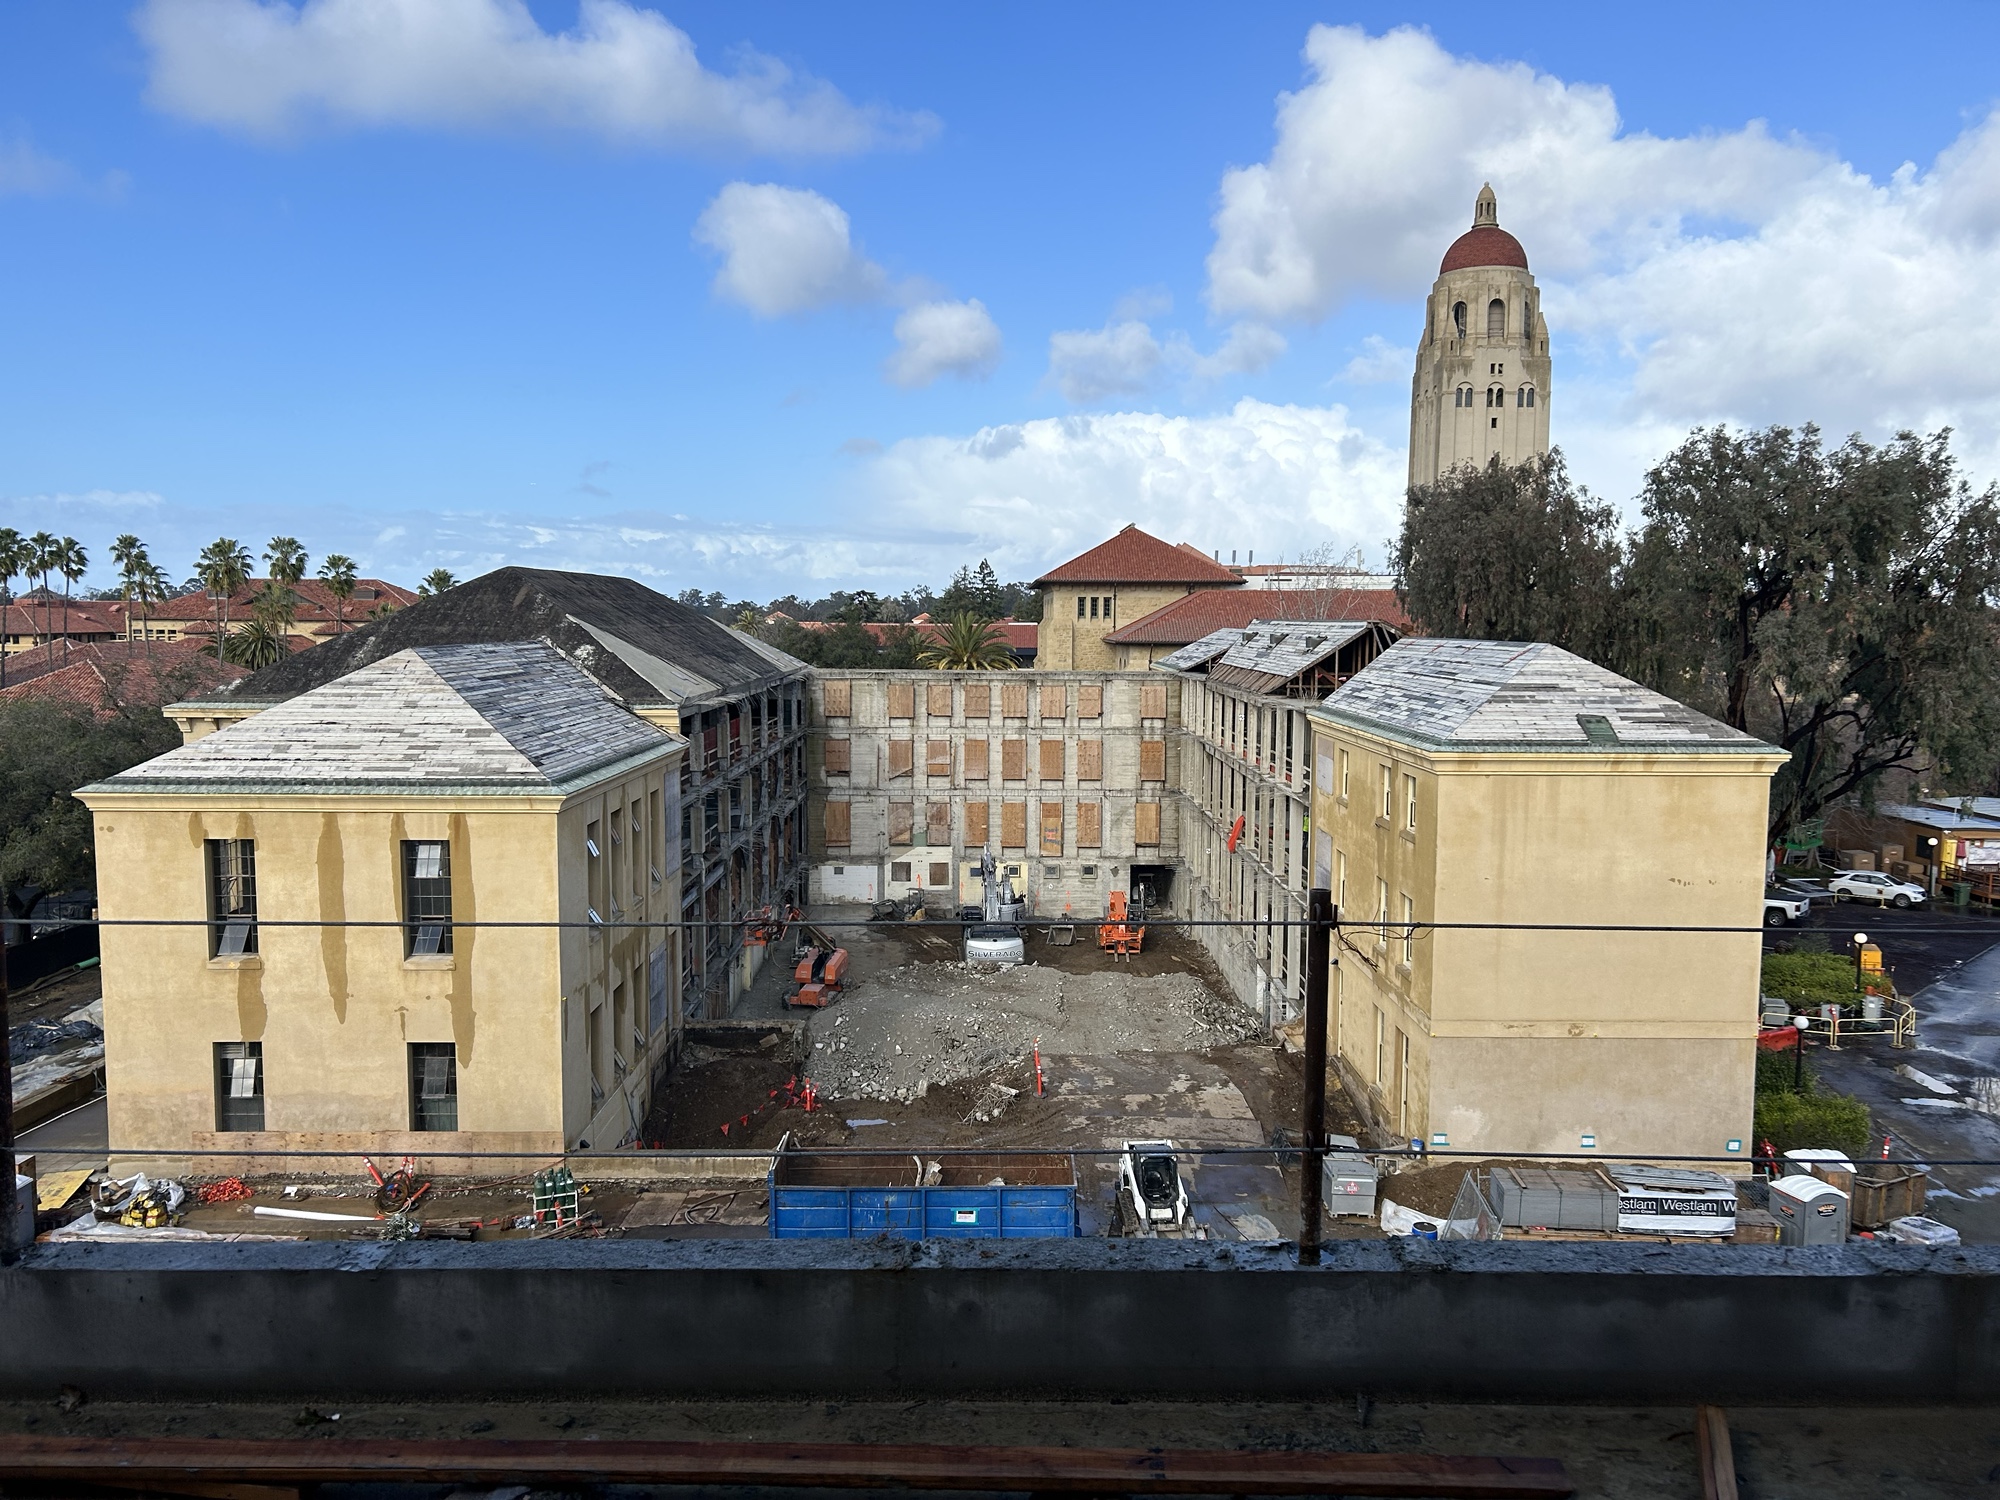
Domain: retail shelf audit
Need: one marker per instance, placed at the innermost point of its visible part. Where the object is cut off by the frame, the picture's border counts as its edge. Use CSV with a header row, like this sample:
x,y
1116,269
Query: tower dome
x,y
1485,243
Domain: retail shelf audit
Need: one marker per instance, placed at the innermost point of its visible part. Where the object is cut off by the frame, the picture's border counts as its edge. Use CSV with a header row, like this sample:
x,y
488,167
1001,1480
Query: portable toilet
x,y
1809,1211
1827,1166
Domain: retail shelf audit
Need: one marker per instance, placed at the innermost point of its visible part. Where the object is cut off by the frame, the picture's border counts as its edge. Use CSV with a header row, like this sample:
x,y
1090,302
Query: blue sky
x,y
469,282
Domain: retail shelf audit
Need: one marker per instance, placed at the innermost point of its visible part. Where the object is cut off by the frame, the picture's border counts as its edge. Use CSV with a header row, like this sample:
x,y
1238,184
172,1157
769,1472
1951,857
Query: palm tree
x,y
149,585
436,582
260,642
13,561
41,561
72,562
130,554
336,571
286,559
223,567
967,644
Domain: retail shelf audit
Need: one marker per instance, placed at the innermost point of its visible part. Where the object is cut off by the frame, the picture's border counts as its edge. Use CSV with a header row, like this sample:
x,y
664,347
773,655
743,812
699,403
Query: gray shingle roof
x,y
1202,651
1516,694
510,716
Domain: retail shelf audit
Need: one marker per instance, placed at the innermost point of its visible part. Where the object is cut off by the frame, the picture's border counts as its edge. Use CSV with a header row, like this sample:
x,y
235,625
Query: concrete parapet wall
x,y
719,1318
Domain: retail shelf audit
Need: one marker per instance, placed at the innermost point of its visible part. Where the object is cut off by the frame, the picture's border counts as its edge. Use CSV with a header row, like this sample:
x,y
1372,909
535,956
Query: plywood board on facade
x,y
940,876
902,700
1013,825
1152,700
839,699
839,757
1052,828
937,824
937,757
975,760
1152,760
975,825
1055,701
937,700
1014,701
1090,760
1089,825
1146,825
902,822
1050,765
839,823
1013,760
902,754
1090,701
978,701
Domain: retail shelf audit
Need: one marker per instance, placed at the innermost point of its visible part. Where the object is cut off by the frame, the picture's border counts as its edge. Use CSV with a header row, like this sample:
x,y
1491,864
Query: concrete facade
x,y
1457,782
1064,775
1481,387
555,1034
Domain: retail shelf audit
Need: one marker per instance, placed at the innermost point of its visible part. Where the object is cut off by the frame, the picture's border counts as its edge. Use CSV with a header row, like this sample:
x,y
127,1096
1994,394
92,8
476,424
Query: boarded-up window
x,y
937,826
1090,760
1152,760
1152,700
1089,825
1014,701
1090,701
839,700
937,757
1146,826
975,825
839,757
978,701
901,754
1052,820
902,700
940,876
902,823
937,700
975,760
1013,825
1013,760
838,822
1055,700
1051,765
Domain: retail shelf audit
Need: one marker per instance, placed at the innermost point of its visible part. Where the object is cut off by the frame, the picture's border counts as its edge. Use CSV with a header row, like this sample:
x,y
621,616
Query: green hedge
x,y
1812,979
1793,1122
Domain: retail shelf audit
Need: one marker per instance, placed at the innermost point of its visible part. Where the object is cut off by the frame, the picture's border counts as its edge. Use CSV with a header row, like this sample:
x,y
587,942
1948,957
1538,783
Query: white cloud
x,y
1378,362
944,338
1126,357
1727,275
1273,478
784,250
26,171
273,68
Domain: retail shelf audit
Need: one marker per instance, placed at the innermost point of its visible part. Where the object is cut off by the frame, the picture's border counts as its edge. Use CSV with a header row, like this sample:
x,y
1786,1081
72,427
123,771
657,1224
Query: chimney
x,y
1250,560
1232,557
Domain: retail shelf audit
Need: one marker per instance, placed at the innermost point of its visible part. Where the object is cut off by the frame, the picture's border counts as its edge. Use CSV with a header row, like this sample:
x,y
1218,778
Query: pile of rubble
x,y
906,1031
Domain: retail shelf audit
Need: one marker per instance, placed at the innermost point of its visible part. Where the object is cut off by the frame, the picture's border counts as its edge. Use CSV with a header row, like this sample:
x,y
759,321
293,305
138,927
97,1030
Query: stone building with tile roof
x,y
417,912
1555,810
1121,579
1153,637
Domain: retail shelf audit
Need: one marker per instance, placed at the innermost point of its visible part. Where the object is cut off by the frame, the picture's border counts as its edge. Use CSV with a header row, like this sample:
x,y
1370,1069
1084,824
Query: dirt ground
x,y
1611,1452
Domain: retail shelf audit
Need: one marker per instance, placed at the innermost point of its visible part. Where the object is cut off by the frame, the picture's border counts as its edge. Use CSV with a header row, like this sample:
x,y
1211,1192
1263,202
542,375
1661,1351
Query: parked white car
x,y
1873,885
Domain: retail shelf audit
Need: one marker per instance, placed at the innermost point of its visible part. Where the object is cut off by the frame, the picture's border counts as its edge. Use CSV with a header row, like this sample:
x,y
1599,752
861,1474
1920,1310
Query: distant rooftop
x,y
1209,610
1266,656
1454,694
514,716
1133,556
643,647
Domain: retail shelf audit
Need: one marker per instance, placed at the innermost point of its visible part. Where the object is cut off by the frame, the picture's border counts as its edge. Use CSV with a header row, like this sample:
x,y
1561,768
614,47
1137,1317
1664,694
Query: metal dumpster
x,y
907,1198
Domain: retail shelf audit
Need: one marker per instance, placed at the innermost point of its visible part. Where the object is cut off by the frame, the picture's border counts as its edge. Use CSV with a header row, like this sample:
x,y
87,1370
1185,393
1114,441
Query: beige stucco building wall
x,y
556,1037
1540,1039
1071,641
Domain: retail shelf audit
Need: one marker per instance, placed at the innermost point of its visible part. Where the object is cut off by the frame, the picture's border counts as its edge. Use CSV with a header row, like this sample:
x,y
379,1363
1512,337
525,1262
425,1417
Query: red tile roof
x,y
1134,557
315,602
1189,619
115,674
86,617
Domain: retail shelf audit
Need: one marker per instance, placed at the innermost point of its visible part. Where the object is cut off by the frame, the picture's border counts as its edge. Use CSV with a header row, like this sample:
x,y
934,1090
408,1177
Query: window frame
x,y
226,919
230,1116
425,906
429,1118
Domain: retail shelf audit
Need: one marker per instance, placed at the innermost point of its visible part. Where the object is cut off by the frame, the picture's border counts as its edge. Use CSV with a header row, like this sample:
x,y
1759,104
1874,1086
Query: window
x,y
1051,820
839,699
937,757
1496,319
899,870
1403,1083
1381,914
1081,603
1049,760
839,824
1458,319
239,1084
1340,889
902,755
433,1086
1388,794
232,897
1146,825
1343,775
1525,397
1381,1047
1152,760
1410,804
1409,931
902,700
1093,606
427,897
839,757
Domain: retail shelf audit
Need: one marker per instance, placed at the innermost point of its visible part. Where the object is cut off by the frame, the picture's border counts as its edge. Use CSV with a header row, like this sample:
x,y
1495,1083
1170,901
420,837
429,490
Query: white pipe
x,y
307,1213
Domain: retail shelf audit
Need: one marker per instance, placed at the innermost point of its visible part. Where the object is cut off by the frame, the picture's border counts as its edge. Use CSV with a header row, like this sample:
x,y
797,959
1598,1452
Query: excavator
x,y
1118,935
820,976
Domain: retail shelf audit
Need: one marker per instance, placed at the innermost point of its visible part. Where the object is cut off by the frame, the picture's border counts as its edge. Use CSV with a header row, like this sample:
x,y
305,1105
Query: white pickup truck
x,y
1782,907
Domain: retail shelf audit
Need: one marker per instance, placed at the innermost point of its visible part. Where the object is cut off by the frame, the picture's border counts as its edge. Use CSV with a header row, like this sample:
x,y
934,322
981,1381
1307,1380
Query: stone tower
x,y
1482,381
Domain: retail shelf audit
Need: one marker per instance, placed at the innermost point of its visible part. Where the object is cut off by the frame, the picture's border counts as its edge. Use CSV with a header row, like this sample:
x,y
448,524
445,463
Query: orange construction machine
x,y
821,974
1118,936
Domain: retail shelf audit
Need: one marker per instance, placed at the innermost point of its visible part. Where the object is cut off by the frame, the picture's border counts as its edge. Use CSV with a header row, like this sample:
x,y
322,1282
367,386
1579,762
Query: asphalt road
x,y
1950,967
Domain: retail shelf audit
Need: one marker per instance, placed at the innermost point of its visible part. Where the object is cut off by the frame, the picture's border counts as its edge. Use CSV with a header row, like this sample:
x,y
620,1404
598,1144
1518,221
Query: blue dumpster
x,y
985,1197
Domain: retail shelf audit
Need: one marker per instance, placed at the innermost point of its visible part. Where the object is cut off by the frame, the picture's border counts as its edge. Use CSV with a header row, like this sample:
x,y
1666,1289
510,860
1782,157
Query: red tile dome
x,y
1484,245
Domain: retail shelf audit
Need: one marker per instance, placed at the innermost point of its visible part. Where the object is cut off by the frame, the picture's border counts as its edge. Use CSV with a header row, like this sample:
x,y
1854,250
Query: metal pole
x,y
9,1251
1319,961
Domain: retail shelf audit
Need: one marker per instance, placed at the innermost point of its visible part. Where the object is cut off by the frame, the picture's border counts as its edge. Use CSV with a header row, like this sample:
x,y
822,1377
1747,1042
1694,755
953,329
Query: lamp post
x,y
1860,940
1799,1054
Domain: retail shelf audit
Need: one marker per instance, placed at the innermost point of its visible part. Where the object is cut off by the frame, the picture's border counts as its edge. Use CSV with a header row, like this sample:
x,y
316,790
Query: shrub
x,y
1812,979
1793,1122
